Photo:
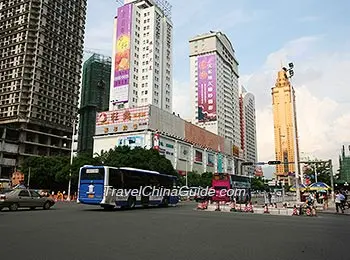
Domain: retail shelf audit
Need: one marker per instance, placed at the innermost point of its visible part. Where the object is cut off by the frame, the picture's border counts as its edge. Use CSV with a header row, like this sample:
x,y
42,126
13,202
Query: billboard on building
x,y
199,135
120,87
235,151
184,152
211,160
206,88
220,166
131,141
166,147
122,120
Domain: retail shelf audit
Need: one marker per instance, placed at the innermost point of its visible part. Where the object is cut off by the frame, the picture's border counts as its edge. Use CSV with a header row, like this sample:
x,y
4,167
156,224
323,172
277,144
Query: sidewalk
x,y
331,210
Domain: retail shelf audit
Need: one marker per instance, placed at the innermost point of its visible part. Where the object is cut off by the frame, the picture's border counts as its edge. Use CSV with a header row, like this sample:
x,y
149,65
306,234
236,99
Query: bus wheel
x,y
131,202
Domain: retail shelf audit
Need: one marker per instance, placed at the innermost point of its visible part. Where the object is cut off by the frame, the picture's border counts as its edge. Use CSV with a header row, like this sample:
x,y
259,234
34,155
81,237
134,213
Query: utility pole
x,y
332,180
28,178
315,173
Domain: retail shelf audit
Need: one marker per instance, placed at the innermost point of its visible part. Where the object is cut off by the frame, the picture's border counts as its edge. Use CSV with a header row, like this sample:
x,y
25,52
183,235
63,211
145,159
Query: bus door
x,y
91,186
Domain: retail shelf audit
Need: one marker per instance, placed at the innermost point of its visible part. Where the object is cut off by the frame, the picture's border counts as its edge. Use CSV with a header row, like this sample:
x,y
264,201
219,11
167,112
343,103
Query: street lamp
x,y
186,173
295,134
71,162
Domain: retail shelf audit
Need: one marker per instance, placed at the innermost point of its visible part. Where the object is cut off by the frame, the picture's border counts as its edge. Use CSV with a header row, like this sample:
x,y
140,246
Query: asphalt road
x,y
71,231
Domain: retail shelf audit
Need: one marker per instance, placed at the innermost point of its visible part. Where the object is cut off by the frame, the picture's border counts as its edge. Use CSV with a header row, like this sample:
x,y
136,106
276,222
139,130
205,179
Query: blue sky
x,y
313,34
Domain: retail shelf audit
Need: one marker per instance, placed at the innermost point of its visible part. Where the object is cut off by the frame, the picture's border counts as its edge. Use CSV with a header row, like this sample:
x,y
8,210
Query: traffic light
x,y
247,163
274,162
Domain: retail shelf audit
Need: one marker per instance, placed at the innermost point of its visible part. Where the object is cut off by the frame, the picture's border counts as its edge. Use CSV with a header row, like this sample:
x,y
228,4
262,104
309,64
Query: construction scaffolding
x,y
344,167
94,97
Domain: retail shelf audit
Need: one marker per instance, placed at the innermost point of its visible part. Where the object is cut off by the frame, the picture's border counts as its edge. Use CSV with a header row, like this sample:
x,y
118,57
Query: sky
x,y
312,34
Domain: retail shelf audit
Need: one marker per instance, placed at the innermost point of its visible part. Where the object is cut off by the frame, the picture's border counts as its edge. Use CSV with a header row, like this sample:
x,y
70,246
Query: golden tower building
x,y
284,118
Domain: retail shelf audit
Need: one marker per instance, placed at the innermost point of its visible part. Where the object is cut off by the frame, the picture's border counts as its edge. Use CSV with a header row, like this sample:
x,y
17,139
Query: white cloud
x,y
322,97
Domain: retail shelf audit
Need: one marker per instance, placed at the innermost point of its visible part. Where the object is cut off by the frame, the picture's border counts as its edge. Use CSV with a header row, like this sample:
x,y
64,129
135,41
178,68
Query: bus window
x,y
92,174
132,179
115,178
166,181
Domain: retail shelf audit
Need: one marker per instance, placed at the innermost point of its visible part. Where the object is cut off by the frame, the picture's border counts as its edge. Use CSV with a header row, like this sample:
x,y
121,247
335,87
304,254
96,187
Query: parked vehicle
x,y
229,187
24,198
5,184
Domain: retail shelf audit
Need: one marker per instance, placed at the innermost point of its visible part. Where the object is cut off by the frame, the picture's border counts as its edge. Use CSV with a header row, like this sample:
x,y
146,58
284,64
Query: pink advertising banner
x,y
207,88
122,54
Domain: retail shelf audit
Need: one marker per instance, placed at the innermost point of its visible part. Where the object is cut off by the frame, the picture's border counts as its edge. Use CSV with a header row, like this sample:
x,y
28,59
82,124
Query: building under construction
x,y
94,98
41,51
344,167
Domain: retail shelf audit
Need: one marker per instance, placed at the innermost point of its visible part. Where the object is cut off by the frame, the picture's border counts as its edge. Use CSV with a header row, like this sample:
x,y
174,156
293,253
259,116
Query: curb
x,y
333,213
255,213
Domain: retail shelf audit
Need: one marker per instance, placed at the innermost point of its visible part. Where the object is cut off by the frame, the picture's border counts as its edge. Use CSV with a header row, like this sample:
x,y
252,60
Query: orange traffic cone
x,y
266,209
295,211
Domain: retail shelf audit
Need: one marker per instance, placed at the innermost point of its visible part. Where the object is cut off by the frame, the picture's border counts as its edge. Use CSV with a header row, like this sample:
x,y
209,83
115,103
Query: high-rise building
x,y
248,128
142,55
94,98
41,50
214,86
283,95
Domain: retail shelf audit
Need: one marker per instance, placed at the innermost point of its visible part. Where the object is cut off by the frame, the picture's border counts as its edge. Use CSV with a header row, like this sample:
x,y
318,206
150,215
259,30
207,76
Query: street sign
x,y
260,163
274,162
247,163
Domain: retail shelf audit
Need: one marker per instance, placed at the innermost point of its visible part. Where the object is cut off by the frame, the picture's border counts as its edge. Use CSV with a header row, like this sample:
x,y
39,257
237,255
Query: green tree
x,y
194,179
258,184
46,172
206,179
137,158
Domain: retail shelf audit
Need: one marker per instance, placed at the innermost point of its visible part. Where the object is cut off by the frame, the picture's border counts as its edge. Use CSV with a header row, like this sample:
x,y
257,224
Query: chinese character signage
x,y
156,141
206,88
122,120
120,89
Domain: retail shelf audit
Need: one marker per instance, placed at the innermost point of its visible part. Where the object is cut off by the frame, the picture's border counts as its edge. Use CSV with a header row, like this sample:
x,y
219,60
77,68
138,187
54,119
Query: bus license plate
x,y
91,196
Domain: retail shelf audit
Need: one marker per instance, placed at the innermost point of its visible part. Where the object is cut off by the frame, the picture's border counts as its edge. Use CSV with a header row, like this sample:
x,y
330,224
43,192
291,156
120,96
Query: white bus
x,y
112,187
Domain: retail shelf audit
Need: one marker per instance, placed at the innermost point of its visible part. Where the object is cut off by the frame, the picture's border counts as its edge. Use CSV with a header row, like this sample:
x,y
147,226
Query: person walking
x,y
338,202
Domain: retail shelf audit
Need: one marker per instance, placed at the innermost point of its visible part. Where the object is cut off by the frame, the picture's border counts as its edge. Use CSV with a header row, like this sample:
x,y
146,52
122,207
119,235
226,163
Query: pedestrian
x,y
325,201
338,202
